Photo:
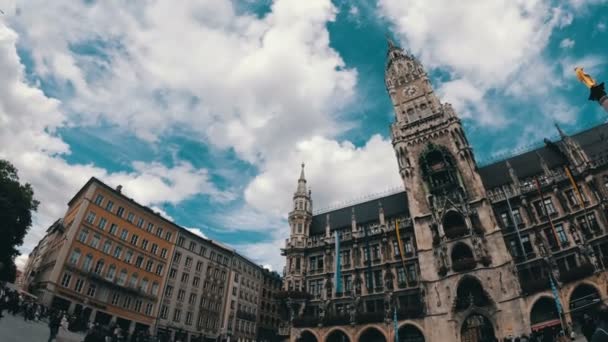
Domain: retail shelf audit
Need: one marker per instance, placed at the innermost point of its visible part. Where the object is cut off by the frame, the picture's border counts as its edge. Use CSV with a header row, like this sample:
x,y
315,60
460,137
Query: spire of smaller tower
x,y
302,183
562,134
353,220
543,163
391,43
512,174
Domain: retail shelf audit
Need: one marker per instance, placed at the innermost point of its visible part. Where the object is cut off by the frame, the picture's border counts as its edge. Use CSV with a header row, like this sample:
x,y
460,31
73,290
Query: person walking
x,y
601,331
54,323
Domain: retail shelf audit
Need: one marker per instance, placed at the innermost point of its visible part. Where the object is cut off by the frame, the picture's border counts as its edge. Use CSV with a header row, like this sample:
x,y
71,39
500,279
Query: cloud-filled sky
x,y
204,109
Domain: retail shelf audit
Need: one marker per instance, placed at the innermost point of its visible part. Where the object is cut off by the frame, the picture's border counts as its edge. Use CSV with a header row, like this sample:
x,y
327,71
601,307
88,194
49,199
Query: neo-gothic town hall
x,y
484,252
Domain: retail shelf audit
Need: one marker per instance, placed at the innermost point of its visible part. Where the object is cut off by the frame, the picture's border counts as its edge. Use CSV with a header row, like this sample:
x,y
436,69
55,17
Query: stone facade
x,y
479,247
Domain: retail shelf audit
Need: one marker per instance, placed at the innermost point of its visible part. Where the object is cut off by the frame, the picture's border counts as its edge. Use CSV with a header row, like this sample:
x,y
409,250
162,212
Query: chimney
x,y
119,188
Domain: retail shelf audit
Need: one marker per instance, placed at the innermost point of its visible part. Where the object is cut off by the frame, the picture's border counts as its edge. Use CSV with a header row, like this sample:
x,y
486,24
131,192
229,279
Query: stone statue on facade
x,y
388,306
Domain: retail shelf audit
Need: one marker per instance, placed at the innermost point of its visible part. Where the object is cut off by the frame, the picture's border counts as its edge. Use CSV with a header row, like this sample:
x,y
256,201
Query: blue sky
x,y
205,109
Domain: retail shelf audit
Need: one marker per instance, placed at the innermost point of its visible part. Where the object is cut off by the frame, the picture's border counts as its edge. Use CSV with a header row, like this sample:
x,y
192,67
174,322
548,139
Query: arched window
x,y
469,293
438,169
99,266
454,225
75,257
133,281
111,272
462,258
122,277
410,333
544,313
88,263
144,285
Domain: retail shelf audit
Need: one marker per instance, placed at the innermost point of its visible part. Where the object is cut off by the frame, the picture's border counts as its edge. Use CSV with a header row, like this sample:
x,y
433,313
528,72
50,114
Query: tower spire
x,y
302,183
562,134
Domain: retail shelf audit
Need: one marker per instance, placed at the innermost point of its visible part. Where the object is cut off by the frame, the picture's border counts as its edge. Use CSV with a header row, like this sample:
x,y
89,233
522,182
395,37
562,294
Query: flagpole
x,y
401,252
521,244
558,303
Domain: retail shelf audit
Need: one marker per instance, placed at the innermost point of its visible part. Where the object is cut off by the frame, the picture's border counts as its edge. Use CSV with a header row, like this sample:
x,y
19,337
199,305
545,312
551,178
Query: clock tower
x,y
467,274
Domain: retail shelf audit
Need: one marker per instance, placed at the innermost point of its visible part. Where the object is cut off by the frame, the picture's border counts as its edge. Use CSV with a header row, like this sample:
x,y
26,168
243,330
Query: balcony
x,y
246,316
531,286
306,322
292,295
464,264
370,317
410,312
456,232
336,320
584,270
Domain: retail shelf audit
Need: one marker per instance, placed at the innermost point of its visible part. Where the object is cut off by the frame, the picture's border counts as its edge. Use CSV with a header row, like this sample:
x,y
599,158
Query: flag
x,y
395,323
400,244
574,185
338,266
558,304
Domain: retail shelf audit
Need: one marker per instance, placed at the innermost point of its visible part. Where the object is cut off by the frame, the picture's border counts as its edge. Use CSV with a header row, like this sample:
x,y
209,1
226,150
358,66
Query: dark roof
x,y
366,212
594,142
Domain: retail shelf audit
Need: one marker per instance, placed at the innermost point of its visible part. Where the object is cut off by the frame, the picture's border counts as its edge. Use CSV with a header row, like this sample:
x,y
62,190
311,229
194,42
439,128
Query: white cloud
x,y
21,261
487,47
566,43
29,119
601,26
197,231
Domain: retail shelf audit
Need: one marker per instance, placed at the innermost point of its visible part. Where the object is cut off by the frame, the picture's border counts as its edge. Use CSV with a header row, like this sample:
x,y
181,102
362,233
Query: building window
x,y
348,283
137,307
150,227
189,318
124,234
111,272
88,263
144,285
412,275
168,291
168,236
134,239
202,251
163,253
95,241
133,280
82,237
144,244
113,229
117,252
79,285
149,265
299,228
177,257
199,266
185,277
65,281
115,298
122,277
159,231
126,302
139,261
396,248
181,294
177,314
561,234
172,273
99,266
154,289
149,308
154,249
90,217
99,199
192,299
188,262
159,269
547,203
128,256
180,241
315,287
316,263
91,290
163,312
102,223
195,281
140,222
376,252
75,257
109,206
192,246
550,235
120,211
130,217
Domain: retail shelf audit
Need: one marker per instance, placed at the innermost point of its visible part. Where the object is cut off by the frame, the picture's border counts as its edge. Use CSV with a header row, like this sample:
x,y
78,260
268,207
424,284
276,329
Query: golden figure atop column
x,y
584,78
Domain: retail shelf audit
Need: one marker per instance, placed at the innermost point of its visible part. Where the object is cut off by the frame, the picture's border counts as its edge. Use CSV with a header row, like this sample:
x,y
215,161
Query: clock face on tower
x,y
410,91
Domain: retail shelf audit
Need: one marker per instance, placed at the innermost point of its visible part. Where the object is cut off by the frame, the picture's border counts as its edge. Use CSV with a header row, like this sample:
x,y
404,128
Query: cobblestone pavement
x,y
15,329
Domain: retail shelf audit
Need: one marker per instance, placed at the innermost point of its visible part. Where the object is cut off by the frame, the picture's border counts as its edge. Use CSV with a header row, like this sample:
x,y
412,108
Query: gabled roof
x,y
366,212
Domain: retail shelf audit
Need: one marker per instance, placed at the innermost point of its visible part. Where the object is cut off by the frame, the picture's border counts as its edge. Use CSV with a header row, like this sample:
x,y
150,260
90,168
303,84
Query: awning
x,y
545,324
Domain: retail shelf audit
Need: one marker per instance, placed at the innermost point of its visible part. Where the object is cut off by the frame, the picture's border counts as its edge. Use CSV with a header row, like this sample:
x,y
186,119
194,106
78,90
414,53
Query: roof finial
x,y
302,173
562,134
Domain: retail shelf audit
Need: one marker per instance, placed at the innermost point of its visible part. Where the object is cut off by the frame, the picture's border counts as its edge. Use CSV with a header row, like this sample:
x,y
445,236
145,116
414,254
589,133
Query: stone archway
x,y
584,298
470,293
477,328
454,224
337,335
543,314
410,333
372,334
307,336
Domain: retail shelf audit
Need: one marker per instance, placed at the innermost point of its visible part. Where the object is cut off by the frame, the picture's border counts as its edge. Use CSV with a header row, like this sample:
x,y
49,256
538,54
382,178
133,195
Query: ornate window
x,y
454,225
462,258
438,169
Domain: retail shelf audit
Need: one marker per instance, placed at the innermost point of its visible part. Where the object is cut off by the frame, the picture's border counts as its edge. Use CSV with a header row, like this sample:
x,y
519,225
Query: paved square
x,y
15,329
